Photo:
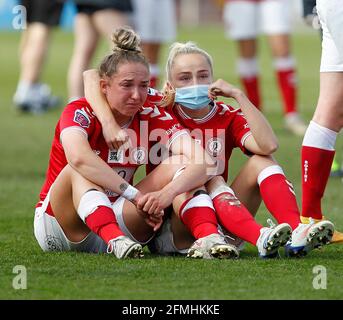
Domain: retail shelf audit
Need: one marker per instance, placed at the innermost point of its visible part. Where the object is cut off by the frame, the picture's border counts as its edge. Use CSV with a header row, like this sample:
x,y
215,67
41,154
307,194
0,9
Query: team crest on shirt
x,y
214,146
139,155
81,118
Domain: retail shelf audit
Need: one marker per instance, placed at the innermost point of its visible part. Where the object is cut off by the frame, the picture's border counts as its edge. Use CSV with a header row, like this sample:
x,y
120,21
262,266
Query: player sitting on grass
x,y
87,202
190,95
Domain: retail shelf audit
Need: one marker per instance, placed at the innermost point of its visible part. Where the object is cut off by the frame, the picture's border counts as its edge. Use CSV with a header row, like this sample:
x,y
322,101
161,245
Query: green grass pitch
x,y
25,142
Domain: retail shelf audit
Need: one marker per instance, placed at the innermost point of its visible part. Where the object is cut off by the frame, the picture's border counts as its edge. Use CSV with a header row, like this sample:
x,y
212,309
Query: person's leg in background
x,y
149,16
245,32
318,147
92,21
85,43
276,23
31,95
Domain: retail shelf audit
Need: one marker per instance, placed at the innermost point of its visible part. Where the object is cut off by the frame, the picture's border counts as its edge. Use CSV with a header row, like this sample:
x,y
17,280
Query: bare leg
x,y
86,39
279,45
247,48
329,111
247,68
245,184
106,21
285,70
65,197
33,52
23,43
151,50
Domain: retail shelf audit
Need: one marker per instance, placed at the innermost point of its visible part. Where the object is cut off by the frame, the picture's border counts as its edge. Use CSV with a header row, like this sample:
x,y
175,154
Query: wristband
x,y
130,193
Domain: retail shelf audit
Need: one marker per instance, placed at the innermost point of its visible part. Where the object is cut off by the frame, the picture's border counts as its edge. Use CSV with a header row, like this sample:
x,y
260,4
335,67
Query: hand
x,y
222,88
154,222
155,202
115,136
151,204
148,208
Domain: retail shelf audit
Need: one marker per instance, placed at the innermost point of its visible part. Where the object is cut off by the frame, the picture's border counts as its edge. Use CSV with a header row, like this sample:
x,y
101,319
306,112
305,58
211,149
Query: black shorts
x,y
308,6
91,6
44,11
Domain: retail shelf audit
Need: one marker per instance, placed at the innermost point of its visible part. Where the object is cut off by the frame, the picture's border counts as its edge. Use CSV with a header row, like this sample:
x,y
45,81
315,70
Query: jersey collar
x,y
206,118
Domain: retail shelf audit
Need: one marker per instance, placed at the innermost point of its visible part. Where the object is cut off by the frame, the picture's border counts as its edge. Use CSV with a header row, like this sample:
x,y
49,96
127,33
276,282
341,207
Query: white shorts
x,y
51,237
163,242
155,20
246,19
330,14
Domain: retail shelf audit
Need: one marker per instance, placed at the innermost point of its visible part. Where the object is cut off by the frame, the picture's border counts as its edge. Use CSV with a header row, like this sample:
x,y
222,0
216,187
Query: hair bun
x,y
124,38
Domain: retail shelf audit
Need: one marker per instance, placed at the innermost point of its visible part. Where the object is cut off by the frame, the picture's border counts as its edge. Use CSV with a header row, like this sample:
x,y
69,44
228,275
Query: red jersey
x,y
219,132
150,127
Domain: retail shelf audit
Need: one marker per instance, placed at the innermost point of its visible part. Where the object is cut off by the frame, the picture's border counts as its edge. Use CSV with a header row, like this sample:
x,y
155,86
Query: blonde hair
x,y
126,49
176,49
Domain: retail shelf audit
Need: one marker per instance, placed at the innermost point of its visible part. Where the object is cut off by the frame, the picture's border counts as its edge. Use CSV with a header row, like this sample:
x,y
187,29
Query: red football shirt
x,y
151,127
219,132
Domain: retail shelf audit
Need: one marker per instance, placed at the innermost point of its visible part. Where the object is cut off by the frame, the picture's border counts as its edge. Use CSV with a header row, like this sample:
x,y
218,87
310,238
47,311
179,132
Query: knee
x,y
175,162
214,183
258,162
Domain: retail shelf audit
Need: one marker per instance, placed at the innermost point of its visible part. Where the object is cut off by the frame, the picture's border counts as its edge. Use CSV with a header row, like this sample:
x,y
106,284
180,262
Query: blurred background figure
x,y
244,20
31,95
155,22
310,14
94,18
311,18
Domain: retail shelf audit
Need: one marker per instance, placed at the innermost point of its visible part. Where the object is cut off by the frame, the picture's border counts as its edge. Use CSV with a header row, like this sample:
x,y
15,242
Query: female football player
x,y
88,203
190,94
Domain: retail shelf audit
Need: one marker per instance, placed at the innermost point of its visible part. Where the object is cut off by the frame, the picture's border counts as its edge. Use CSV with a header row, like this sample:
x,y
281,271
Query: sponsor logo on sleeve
x,y
81,118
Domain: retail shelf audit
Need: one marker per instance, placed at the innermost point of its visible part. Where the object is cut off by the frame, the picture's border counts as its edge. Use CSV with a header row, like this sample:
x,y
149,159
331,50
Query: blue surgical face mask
x,y
194,97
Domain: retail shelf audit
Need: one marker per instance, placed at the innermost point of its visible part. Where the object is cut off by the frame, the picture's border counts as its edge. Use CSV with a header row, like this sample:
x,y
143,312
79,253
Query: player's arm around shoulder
x,y
262,140
112,132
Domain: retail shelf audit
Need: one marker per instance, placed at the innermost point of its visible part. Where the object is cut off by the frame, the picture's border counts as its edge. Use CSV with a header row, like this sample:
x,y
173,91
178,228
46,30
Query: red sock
x,y
316,166
251,85
288,88
198,216
234,217
279,197
103,222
